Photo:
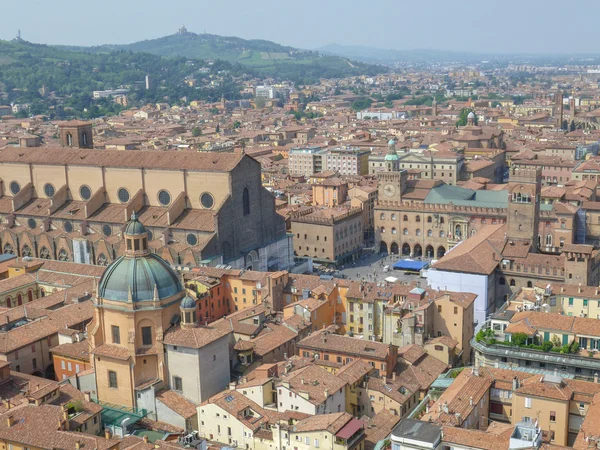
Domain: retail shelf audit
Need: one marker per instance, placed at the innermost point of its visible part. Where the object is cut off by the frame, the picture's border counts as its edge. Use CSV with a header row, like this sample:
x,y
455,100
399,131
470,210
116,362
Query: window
x,y
14,187
116,334
405,231
146,335
440,309
246,202
34,363
527,402
307,440
192,239
316,443
107,230
456,310
571,301
112,379
552,416
49,190
177,384
164,198
85,192
68,226
123,195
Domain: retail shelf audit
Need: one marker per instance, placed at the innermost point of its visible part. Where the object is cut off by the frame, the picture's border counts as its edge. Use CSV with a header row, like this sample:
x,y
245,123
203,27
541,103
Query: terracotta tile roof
x,y
379,427
314,381
354,371
495,437
36,426
112,351
325,341
475,254
77,350
457,398
196,337
177,403
174,160
411,353
323,422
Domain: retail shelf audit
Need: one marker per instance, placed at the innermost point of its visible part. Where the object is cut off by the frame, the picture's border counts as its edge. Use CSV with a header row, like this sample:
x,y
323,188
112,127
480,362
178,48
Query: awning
x,y
350,429
409,264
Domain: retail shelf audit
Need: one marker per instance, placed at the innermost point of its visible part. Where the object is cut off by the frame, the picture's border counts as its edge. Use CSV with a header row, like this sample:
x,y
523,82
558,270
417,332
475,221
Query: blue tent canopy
x,y
409,264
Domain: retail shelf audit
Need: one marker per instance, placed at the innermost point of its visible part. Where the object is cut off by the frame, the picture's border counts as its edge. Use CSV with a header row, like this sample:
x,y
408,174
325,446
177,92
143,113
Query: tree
x,y
361,103
196,132
519,339
572,127
462,119
260,102
237,124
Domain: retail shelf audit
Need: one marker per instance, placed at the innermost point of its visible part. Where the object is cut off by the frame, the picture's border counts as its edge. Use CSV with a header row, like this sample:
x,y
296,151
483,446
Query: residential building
x,y
347,160
342,349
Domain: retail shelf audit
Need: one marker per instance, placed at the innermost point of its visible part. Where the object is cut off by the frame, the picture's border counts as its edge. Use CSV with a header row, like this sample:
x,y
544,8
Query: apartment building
x,y
343,350
347,160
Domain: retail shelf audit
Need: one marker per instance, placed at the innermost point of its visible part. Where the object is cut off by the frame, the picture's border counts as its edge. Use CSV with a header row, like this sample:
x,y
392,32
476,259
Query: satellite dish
x,y
546,307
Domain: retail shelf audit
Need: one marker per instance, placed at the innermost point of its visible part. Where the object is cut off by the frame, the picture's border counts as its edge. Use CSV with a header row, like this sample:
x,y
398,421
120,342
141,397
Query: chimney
x,y
65,418
107,433
471,401
77,444
457,415
302,380
445,407
232,386
10,420
87,396
596,377
326,393
285,356
145,439
515,384
393,376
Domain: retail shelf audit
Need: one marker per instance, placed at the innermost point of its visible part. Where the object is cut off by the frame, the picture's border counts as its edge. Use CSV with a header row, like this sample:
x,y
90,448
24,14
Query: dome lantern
x,y
188,312
136,237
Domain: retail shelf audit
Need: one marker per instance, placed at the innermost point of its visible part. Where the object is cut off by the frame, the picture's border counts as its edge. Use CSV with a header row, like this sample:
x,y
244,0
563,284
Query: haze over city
x,y
515,26
312,225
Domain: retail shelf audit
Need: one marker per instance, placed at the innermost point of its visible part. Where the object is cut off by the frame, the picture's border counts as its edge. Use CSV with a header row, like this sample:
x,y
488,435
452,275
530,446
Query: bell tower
x,y
76,134
523,205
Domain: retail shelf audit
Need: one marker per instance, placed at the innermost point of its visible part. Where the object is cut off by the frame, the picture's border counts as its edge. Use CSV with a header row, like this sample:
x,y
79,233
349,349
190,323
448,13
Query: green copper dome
x,y
391,157
138,279
134,226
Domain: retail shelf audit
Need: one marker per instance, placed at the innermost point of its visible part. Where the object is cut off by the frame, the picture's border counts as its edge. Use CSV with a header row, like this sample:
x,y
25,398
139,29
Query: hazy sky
x,y
485,26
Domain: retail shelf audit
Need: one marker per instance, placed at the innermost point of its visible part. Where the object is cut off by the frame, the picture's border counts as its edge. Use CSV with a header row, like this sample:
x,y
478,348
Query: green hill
x,y
267,58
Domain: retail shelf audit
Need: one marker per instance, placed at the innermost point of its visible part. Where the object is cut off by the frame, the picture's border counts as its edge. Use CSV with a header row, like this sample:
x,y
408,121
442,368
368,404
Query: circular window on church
x,y
123,195
49,190
164,198
31,223
207,200
14,187
106,230
192,239
85,192
68,226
